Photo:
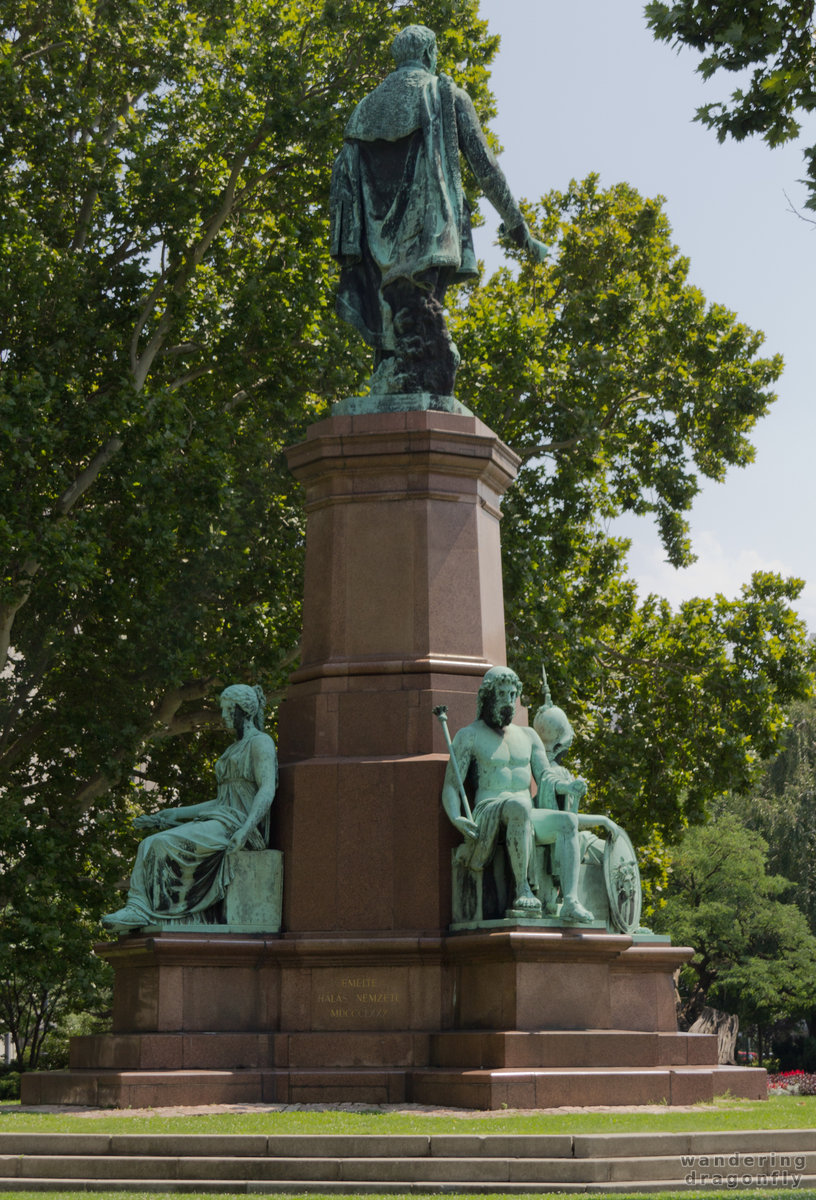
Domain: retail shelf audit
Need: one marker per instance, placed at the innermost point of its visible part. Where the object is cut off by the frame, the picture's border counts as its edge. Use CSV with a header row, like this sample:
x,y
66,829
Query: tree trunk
x,y
726,1027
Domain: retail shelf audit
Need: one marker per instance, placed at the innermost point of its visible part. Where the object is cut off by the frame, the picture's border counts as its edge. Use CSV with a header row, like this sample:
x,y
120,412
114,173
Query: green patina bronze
x,y
501,762
400,226
183,871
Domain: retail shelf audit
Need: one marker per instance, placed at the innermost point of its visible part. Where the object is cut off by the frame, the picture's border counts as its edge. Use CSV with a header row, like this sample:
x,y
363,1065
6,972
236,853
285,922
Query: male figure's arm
x,y
451,798
551,783
490,176
543,773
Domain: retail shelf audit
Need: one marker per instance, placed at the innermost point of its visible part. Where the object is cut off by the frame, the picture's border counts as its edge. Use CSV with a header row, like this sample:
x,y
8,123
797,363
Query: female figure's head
x,y
242,706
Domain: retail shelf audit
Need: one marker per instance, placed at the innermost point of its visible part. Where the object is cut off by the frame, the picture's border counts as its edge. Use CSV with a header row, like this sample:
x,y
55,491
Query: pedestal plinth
x,y
403,611
515,1018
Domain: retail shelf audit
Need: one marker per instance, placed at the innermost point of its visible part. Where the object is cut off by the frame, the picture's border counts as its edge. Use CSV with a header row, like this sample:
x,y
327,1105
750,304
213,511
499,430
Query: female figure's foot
x,y
123,920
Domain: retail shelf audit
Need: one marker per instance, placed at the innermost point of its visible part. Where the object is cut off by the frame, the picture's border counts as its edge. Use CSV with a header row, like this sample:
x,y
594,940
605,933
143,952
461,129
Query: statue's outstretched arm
x,y
491,177
587,820
168,818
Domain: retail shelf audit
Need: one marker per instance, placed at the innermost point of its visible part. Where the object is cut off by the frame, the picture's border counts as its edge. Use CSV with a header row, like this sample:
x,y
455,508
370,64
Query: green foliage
x,y
754,955
776,39
781,806
167,330
619,386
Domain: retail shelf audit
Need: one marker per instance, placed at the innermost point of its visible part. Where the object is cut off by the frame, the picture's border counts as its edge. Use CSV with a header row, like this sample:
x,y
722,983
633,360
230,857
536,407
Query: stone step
x,y
775,1142
426,1171
403,1164
468,1048
566,1048
580,1086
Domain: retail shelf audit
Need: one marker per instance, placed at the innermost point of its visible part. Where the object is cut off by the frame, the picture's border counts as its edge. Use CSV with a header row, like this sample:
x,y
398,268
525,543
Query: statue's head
x,y
553,727
415,44
247,701
498,696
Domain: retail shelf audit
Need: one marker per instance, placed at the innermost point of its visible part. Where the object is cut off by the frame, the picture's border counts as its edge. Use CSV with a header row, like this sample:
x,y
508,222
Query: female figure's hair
x,y
250,700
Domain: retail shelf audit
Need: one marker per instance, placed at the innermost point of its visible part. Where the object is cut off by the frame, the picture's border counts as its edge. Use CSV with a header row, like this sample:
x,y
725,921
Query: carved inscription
x,y
356,999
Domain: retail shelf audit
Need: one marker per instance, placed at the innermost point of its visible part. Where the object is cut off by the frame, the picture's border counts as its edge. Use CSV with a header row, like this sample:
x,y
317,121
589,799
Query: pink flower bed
x,y
795,1083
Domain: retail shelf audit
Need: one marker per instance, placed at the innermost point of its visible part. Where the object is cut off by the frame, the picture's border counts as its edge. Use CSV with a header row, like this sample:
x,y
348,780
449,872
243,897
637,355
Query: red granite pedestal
x,y
365,996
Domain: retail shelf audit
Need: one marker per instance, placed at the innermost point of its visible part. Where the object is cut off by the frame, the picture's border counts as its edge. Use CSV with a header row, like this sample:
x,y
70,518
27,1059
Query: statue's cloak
x,y
397,205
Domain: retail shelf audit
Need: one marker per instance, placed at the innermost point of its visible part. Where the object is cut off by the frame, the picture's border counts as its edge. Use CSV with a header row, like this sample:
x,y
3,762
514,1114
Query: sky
x,y
582,86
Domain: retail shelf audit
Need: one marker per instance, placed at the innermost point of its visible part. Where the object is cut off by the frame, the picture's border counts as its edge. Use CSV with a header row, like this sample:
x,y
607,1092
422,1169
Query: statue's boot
x,y
571,910
122,920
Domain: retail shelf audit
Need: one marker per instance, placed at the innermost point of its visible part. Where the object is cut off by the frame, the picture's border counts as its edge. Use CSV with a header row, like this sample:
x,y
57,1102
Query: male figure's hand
x,y
469,828
537,250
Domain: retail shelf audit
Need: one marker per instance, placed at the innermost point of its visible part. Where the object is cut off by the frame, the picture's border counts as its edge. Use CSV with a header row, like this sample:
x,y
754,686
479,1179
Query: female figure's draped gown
x,y
184,869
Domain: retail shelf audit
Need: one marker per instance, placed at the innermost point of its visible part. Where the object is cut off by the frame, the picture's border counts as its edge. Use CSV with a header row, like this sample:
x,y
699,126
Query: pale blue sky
x,y
582,86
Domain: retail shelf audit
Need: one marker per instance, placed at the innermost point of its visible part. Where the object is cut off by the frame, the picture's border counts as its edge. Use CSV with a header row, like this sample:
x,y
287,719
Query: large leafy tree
x,y
754,954
781,806
621,387
773,39
166,331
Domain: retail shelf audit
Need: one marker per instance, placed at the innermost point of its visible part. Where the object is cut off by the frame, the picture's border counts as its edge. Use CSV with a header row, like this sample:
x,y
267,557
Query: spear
x,y
441,712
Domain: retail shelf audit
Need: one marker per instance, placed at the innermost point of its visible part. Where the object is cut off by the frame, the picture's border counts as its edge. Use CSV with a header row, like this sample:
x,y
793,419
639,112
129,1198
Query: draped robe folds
x,y
184,869
397,205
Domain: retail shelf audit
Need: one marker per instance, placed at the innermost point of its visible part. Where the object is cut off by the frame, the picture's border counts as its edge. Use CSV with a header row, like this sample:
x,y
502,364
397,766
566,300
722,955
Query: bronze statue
x,y
400,222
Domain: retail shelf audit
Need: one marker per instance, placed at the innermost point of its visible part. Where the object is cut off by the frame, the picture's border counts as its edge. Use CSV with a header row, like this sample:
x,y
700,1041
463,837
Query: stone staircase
x,y
441,1163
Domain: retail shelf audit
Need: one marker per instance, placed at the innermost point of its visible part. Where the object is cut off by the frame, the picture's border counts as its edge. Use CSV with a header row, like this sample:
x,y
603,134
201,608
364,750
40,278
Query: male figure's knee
x,y
567,823
516,812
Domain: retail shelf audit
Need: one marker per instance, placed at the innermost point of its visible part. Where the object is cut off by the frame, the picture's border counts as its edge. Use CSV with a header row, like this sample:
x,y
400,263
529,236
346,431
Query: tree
x,y
776,39
781,806
754,955
167,330
620,386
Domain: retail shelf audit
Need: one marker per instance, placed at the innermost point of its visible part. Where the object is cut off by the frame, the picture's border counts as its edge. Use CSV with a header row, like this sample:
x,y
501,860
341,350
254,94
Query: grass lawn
x,y
778,1112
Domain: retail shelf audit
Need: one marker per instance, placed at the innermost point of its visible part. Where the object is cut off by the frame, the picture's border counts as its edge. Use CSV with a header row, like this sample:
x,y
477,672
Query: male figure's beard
x,y
501,716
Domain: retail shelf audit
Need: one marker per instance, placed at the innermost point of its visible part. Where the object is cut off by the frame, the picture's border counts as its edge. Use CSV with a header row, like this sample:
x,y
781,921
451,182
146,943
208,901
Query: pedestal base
x,y
523,1018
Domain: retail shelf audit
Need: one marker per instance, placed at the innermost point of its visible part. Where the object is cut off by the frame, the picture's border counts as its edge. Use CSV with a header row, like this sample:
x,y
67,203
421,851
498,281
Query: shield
x,y
622,879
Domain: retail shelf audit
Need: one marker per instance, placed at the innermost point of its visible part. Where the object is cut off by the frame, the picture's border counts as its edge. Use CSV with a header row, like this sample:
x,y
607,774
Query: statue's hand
x,y
239,839
614,830
469,828
537,250
147,821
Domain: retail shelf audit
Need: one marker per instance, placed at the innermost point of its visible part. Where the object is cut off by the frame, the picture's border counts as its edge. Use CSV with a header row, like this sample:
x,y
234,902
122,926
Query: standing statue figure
x,y
500,762
185,867
400,225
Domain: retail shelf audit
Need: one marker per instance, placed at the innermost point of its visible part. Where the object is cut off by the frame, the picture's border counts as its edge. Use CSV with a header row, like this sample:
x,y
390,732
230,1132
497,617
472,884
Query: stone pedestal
x,y
366,995
403,611
521,1018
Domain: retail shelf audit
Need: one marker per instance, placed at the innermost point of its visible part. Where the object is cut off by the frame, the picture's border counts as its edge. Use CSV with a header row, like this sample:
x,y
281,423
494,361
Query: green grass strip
x,y
779,1112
